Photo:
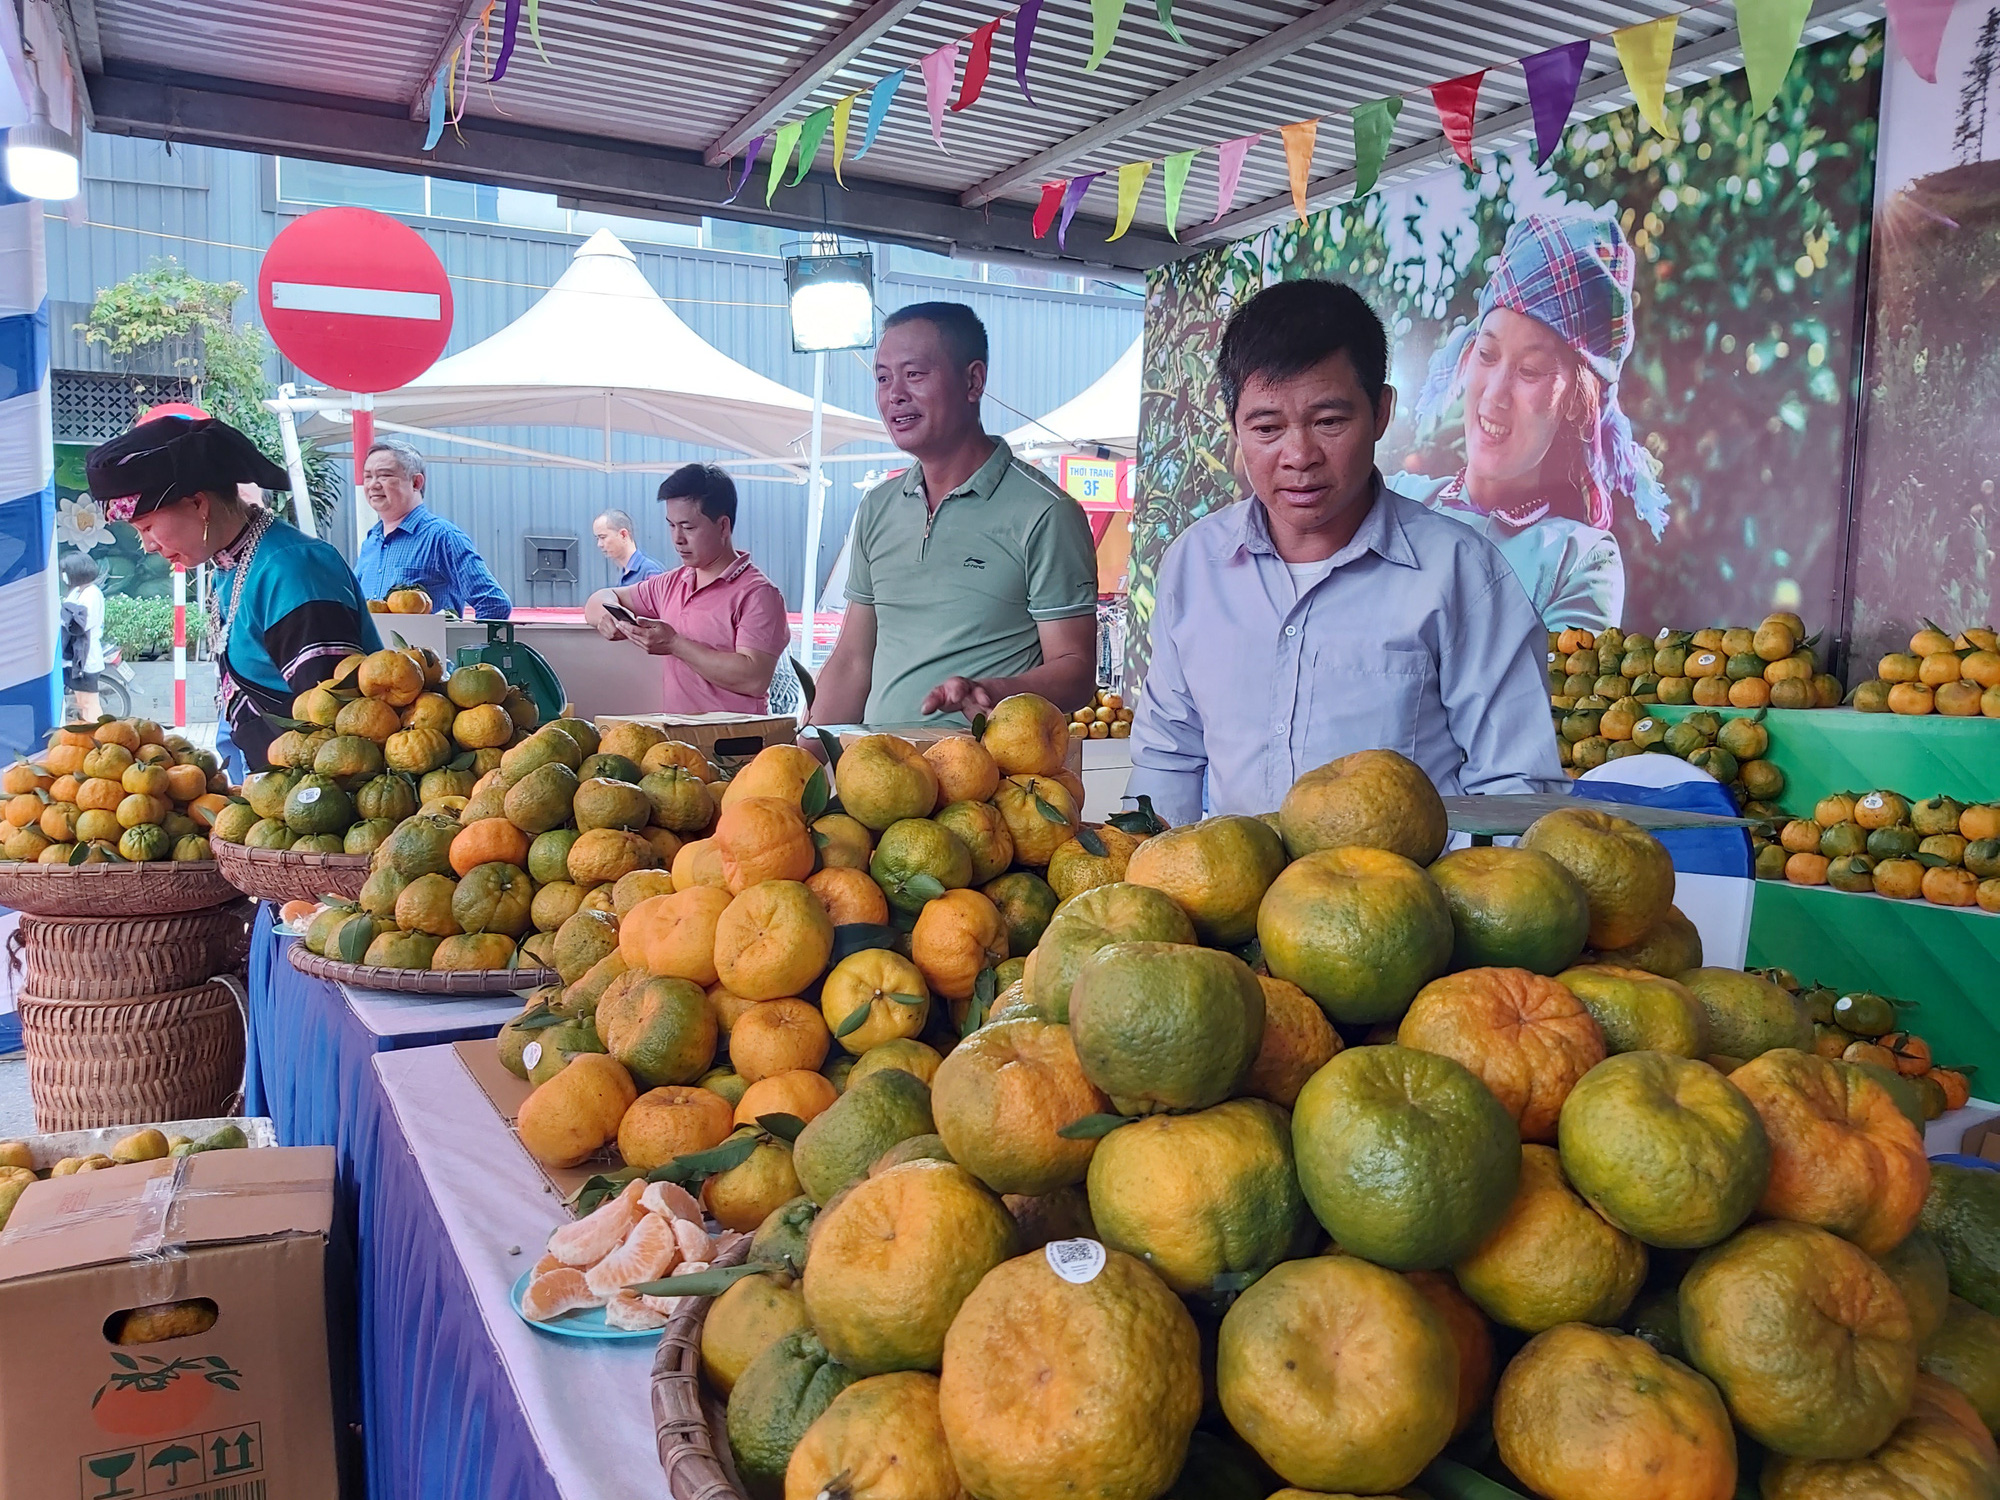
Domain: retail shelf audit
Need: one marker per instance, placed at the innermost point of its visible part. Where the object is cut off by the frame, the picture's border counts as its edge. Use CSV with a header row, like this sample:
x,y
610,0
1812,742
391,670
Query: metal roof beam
x,y
420,102
846,45
1605,85
1317,26
615,174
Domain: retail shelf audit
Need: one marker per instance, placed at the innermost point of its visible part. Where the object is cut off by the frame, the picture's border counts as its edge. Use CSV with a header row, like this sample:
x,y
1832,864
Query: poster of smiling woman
x,y
1632,367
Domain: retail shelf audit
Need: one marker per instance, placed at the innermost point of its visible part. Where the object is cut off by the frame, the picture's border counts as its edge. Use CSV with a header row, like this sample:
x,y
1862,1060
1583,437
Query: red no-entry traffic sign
x,y
355,299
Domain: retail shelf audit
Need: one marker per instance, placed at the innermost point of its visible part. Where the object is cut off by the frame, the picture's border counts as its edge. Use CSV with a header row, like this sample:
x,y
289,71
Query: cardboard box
x,y
921,735
1982,1140
242,1411
718,736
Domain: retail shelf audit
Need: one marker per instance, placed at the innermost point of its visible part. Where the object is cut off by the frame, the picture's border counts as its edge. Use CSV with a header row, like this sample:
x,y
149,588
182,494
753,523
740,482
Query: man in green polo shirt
x,y
970,577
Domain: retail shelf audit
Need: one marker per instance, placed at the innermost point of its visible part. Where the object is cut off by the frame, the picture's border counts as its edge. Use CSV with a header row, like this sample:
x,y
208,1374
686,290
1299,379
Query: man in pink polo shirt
x,y
717,624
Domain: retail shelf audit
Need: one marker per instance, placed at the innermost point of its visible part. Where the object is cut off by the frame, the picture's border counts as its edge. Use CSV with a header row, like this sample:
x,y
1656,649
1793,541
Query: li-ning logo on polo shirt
x,y
974,562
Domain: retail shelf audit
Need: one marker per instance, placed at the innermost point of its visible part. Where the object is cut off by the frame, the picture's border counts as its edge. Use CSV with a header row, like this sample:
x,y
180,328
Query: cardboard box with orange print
x,y
163,1332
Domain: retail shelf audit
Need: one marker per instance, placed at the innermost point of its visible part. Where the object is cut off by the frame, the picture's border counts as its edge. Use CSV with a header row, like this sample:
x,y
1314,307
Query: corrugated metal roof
x,y
681,75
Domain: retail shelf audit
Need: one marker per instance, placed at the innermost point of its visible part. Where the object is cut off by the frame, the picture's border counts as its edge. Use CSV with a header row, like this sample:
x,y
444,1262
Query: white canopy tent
x,y
1105,415
601,350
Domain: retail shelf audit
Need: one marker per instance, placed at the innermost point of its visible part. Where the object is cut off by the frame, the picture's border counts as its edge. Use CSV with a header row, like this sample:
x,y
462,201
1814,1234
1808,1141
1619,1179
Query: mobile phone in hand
x,y
621,614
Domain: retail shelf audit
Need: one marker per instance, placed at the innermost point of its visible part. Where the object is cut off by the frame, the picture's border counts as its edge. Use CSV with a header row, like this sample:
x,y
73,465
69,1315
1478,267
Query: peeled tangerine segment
x,y
635,1314
671,1199
648,1253
668,1307
599,1232
556,1292
692,1239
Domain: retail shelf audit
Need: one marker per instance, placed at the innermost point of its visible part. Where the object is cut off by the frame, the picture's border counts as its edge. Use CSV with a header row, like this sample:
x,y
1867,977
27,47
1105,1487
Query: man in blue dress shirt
x,y
613,531
410,546
1324,614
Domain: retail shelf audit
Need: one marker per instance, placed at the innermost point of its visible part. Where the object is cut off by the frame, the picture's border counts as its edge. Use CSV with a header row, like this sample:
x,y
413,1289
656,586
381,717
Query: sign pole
x,y
363,413
815,506
295,464
180,648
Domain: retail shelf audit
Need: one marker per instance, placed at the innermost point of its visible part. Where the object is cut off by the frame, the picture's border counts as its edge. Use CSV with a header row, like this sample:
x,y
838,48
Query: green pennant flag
x,y
781,155
1176,167
812,130
1374,123
1770,30
1167,22
1104,18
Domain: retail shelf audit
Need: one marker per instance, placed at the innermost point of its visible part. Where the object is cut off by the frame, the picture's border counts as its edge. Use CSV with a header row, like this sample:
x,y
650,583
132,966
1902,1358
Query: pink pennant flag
x,y
977,66
1229,170
1456,100
1917,29
1072,197
1045,211
938,68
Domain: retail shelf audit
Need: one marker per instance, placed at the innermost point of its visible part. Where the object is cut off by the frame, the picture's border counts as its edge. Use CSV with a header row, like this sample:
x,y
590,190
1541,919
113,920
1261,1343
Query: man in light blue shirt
x,y
1325,614
411,546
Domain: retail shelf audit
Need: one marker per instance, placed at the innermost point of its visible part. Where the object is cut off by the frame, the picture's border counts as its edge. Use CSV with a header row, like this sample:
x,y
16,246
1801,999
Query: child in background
x,y
82,663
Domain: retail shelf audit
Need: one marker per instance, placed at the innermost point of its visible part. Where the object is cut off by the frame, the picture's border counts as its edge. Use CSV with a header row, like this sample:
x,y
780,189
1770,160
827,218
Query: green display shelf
x,y
1824,750
1945,960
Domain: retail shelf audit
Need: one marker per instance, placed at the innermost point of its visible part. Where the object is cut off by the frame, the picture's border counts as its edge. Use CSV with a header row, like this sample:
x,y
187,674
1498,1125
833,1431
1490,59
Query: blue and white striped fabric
x,y
30,683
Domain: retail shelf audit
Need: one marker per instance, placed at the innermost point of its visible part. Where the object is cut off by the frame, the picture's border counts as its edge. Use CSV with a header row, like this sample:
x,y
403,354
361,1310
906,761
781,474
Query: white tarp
x,y
602,350
1104,415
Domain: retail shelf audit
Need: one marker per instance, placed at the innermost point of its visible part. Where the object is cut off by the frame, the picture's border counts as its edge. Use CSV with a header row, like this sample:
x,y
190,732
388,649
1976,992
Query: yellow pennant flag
x,y
1299,139
1131,182
840,113
1645,51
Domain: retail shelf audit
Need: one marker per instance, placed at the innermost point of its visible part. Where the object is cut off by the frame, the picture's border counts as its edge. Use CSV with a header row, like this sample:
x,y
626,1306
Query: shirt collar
x,y
1381,531
415,516
735,571
983,481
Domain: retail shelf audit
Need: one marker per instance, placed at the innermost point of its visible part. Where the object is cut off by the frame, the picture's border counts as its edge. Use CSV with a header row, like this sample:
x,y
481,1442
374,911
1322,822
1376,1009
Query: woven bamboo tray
x,y
153,888
107,958
455,983
686,1427
283,875
131,1061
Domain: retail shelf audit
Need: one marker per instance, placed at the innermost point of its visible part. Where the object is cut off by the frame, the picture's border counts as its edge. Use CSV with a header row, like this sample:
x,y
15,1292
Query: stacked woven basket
x,y
134,1017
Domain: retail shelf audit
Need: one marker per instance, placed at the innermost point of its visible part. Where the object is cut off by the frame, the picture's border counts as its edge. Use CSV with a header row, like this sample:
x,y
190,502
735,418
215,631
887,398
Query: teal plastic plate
x,y
584,1323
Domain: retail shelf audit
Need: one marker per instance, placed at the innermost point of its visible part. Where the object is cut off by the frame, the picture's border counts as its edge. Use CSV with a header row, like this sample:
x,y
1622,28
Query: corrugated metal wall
x,y
214,211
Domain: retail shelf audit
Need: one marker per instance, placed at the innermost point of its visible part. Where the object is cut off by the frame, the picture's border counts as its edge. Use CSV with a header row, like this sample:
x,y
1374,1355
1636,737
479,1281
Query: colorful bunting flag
x,y
1104,18
812,132
1131,182
1172,181
1299,139
1073,192
535,27
1917,29
1552,79
749,162
938,68
1374,123
879,100
1166,8
781,153
1645,51
1229,171
1045,211
977,65
509,27
1024,43
1770,30
439,109
1456,100
841,110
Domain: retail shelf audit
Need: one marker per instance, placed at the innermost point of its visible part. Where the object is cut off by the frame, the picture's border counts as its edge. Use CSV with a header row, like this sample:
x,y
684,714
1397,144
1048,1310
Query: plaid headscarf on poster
x,y
1575,275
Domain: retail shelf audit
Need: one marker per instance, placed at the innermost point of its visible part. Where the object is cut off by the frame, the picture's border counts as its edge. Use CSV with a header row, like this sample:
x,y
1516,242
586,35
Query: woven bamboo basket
x,y
109,958
458,984
153,888
171,1056
687,1423
283,875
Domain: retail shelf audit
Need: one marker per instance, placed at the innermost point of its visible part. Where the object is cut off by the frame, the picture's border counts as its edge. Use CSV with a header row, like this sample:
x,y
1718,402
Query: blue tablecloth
x,y
307,1066
440,1414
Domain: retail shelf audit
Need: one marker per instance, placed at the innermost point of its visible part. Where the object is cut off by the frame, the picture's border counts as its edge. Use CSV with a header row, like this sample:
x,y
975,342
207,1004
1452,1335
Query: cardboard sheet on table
x,y
506,1094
